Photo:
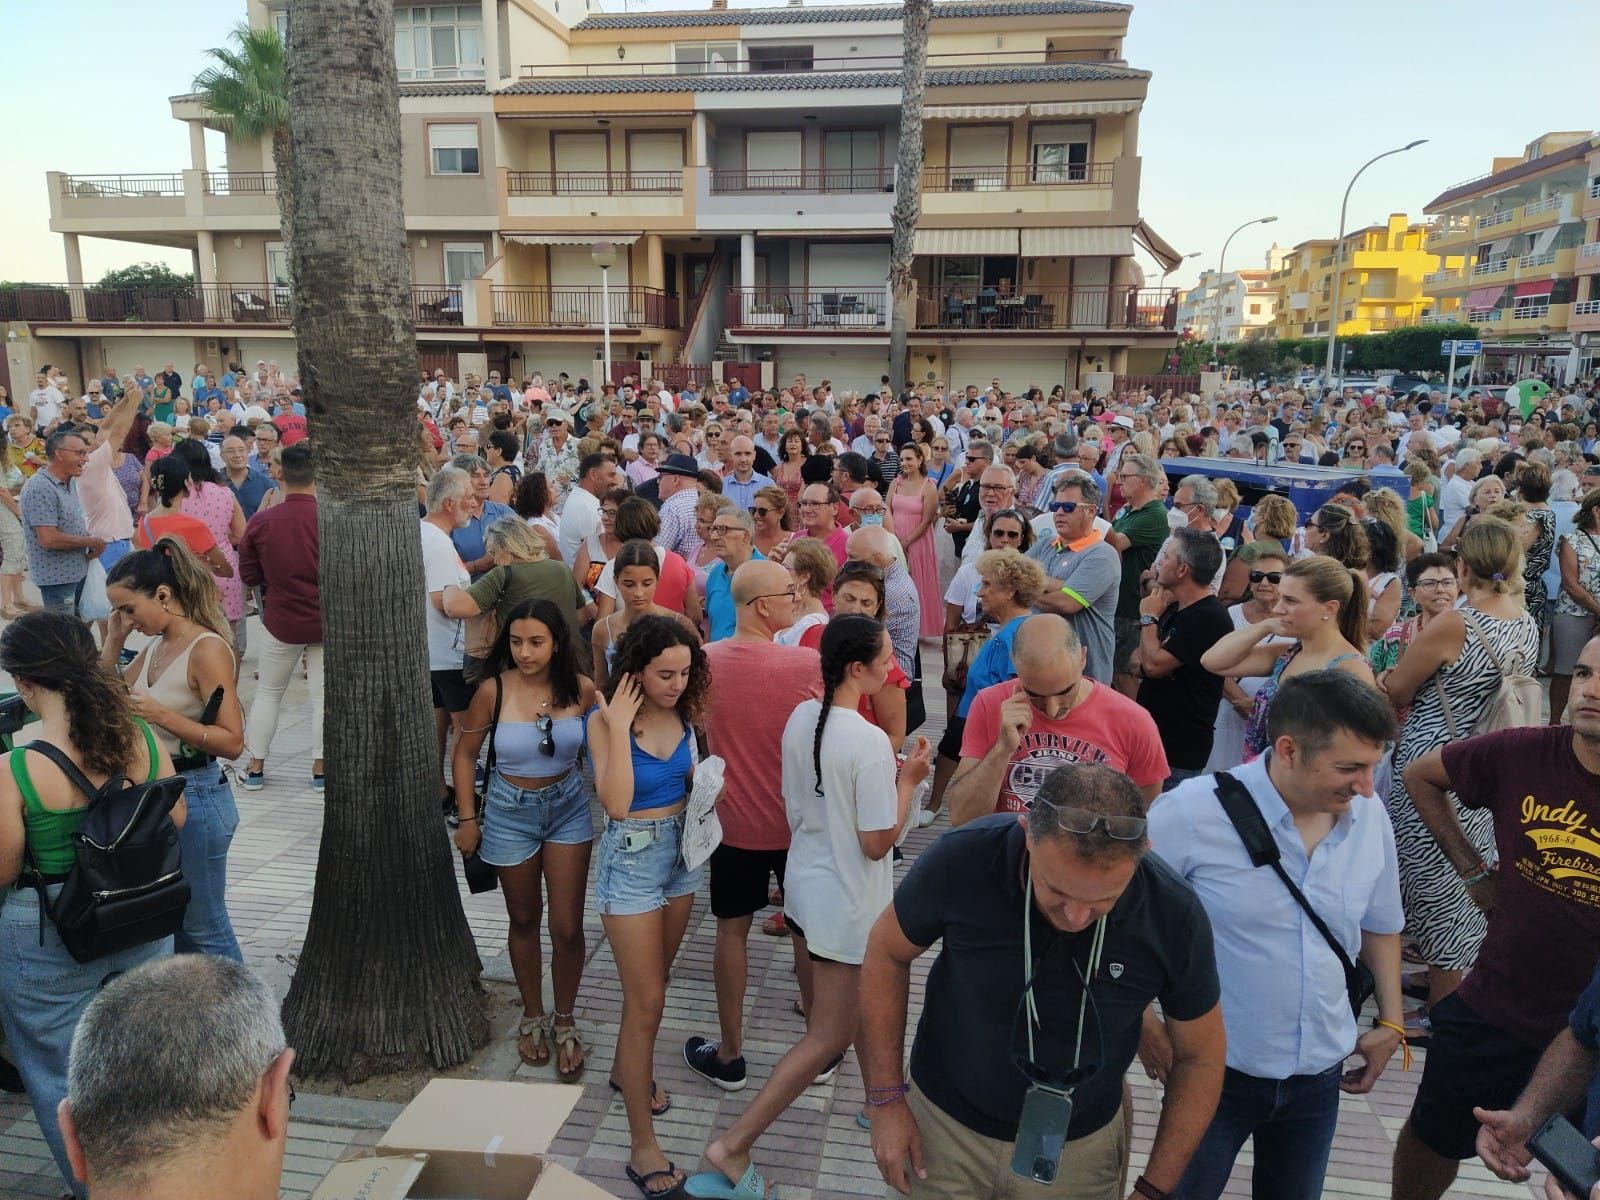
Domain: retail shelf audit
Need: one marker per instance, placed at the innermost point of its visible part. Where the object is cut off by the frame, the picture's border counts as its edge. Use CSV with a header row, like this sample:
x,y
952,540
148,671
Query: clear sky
x,y
1256,108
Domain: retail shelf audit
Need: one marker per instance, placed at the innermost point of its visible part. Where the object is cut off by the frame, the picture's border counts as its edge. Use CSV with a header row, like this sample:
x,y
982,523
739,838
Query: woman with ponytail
x,y
846,810
85,713
169,483
1322,605
182,683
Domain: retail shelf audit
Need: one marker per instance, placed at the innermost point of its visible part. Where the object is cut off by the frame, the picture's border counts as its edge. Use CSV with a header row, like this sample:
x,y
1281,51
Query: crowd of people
x,y
1154,687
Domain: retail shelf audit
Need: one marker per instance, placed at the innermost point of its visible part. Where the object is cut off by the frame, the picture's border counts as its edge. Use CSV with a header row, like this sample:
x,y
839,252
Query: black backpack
x,y
126,886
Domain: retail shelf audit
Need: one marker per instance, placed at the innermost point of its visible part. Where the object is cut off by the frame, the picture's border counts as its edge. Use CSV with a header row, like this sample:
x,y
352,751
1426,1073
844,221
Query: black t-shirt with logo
x,y
967,888
1184,703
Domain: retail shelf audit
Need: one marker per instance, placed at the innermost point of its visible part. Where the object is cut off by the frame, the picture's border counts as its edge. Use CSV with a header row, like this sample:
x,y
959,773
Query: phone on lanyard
x,y
1041,1134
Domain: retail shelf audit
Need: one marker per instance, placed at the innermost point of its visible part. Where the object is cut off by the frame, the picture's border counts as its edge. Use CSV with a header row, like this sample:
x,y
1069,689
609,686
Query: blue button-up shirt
x,y
1283,992
744,494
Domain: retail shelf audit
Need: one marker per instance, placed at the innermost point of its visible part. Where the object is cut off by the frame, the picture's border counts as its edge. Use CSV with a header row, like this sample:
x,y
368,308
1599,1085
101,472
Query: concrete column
x,y
655,267
69,242
1130,134
747,260
197,145
700,143
206,253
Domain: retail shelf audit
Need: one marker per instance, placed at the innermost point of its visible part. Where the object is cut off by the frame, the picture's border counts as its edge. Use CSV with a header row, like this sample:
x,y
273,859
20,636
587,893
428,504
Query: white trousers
x,y
275,662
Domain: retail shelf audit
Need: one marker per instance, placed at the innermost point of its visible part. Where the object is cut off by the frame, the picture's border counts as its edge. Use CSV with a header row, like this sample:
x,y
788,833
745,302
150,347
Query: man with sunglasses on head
x,y
1057,930
965,513
1052,714
1084,572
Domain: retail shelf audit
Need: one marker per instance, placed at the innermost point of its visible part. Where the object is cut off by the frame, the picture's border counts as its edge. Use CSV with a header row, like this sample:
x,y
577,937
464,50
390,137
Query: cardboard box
x,y
465,1139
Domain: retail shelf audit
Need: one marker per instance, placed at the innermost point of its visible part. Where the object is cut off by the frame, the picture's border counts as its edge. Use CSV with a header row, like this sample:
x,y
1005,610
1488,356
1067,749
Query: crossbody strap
x,y
1472,626
1252,829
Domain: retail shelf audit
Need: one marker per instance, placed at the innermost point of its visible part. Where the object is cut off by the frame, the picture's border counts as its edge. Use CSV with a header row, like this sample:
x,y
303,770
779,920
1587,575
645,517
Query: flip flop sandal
x,y
658,1108
642,1182
568,1035
534,1027
714,1185
775,926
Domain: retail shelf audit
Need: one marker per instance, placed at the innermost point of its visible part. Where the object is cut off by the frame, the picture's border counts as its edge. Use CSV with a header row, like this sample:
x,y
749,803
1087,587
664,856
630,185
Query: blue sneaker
x,y
253,781
317,782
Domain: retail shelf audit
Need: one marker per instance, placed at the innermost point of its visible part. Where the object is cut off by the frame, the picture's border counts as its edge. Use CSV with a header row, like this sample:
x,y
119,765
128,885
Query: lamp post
x,y
1216,304
1338,271
604,256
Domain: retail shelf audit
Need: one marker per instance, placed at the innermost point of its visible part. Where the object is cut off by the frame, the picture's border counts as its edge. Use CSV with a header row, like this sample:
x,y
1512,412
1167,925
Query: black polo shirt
x,y
967,888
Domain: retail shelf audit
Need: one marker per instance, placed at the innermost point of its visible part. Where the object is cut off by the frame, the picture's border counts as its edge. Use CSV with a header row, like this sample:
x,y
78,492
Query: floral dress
x,y
1255,729
213,504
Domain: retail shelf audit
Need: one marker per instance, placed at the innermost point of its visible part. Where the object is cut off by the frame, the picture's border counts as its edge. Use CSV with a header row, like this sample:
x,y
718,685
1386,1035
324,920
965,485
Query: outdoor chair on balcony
x,y
988,307
247,306
955,310
830,309
1032,308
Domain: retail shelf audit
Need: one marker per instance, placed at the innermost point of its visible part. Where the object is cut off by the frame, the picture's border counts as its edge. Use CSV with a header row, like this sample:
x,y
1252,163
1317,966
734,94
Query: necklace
x,y
158,669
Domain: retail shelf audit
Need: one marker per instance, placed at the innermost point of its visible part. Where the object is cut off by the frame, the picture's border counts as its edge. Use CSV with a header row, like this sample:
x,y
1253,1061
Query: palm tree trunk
x,y
907,185
283,184
388,976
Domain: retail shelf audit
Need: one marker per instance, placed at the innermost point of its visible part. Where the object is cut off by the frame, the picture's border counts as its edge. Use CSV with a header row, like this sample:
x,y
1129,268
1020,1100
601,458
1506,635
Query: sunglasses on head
x,y
1272,577
1081,821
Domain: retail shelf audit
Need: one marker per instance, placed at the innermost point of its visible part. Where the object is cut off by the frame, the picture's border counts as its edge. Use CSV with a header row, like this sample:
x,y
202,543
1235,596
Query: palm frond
x,y
246,89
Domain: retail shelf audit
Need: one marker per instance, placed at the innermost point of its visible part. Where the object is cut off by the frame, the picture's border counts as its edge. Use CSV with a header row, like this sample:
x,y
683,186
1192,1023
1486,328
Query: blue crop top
x,y
516,747
661,783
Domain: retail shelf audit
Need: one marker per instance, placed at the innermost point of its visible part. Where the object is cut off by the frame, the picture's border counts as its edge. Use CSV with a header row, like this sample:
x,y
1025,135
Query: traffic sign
x,y
1447,347
1473,346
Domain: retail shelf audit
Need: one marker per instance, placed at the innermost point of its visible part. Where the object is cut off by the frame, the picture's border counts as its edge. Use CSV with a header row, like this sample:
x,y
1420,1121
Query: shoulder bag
x,y
481,877
1518,701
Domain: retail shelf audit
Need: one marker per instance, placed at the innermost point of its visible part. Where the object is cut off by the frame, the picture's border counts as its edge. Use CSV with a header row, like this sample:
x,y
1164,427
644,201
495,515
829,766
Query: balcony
x,y
801,179
130,203
863,309
1448,229
562,307
1491,220
241,183
1485,271
1005,178
560,197
1585,317
1445,279
1542,212
1554,316
1048,309
1587,260
432,305
592,183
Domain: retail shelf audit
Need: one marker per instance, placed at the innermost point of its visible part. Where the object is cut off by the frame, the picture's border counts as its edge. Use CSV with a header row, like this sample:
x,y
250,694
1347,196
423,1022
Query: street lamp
x,y
1216,305
604,256
1176,265
1338,271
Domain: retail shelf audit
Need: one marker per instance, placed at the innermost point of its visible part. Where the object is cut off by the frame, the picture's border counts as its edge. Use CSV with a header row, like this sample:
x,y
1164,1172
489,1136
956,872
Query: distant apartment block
x,y
1381,287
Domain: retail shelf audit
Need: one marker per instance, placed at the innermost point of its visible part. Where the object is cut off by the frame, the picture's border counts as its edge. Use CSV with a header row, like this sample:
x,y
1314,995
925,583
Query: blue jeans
x,y
203,841
61,597
1292,1121
43,992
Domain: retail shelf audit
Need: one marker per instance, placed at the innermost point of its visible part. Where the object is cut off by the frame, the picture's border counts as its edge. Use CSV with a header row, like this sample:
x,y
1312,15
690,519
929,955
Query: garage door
x,y
279,350
151,353
1017,370
856,368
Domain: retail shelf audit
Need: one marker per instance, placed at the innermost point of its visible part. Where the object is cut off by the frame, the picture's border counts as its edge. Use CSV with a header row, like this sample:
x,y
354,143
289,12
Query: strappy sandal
x,y
660,1105
568,1035
643,1182
539,1028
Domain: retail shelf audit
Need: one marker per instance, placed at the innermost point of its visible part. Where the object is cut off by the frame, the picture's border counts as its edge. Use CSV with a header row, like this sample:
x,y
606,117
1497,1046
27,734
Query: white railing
x,y
1442,277
1530,312
1589,250
1586,308
1545,258
1594,190
1484,316
1548,204
1491,267
1454,227
1490,220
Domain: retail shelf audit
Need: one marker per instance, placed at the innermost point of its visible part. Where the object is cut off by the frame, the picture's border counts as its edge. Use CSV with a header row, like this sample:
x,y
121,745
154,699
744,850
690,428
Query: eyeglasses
x,y
727,529
1081,821
1433,585
1064,506
813,503
1010,535
608,512
879,511
546,725
995,487
792,593
1272,577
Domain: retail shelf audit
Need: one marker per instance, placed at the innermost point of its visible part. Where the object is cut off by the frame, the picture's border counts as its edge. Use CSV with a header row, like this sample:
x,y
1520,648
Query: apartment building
x,y
1230,307
1518,253
1381,268
741,166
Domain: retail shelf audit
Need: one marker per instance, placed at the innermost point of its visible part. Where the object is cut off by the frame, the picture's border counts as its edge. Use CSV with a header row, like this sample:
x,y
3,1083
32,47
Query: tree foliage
x,y
1414,348
147,275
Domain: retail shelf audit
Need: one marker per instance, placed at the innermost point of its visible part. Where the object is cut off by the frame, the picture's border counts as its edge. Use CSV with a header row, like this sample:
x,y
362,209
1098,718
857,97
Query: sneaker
x,y
926,818
828,1071
317,782
253,780
701,1055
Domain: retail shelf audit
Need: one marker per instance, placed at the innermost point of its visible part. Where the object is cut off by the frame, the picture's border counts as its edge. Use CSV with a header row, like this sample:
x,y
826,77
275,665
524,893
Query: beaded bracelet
x,y
1477,877
882,1097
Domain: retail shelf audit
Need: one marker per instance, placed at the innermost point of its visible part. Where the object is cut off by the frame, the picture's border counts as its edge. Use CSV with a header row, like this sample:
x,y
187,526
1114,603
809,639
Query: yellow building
x,y
1382,286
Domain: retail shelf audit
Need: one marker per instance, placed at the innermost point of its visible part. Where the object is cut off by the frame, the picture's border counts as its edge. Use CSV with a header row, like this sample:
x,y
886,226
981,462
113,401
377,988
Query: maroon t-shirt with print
x,y
1544,933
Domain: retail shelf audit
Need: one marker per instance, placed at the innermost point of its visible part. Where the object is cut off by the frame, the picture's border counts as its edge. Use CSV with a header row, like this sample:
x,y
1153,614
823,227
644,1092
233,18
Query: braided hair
x,y
847,639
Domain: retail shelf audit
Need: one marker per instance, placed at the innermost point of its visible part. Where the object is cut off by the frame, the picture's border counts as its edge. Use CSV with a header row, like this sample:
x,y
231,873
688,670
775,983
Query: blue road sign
x,y
1447,348
1469,347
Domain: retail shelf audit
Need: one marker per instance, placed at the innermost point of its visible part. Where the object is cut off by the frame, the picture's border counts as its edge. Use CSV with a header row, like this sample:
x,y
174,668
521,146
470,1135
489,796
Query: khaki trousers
x,y
963,1165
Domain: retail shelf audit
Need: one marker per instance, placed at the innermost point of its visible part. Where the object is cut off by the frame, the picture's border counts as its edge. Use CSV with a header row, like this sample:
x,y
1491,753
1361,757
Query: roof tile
x,y
821,80
796,15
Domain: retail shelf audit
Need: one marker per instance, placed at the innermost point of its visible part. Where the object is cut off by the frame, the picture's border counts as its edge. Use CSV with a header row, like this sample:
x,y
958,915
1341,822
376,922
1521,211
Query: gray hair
x,y
821,423
1466,457
1083,481
738,516
1145,467
1203,490
1200,552
1011,476
470,463
165,1058
1091,788
980,446
448,483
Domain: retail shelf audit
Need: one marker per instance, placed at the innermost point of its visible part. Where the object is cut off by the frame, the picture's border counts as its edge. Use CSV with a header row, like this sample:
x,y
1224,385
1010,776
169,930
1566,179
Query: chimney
x,y
719,5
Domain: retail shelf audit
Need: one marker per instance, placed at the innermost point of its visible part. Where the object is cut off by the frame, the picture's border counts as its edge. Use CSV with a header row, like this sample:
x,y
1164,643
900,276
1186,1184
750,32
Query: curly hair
x,y
565,688
532,497
846,639
643,641
1275,517
56,652
1007,568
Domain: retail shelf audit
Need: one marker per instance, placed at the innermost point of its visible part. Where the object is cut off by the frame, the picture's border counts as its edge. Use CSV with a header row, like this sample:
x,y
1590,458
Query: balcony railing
x,y
435,304
241,183
1548,204
1594,190
1441,277
192,304
1049,309
861,307
1542,259
804,179
1490,220
591,183
583,307
121,185
1484,316
1491,266
1531,312
1448,228
1004,178
1586,308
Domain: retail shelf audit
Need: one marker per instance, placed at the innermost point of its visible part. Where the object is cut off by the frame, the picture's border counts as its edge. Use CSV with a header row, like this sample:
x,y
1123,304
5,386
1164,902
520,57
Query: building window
x,y
705,58
462,261
277,264
453,149
1060,153
1255,310
852,160
780,58
280,22
442,41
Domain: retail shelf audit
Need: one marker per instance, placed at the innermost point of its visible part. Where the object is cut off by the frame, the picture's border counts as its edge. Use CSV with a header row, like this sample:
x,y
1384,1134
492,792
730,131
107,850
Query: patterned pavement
x,y
814,1152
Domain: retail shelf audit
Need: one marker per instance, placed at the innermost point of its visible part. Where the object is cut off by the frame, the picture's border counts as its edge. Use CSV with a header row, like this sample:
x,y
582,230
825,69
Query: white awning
x,y
958,111
1299,299
1081,108
1114,240
571,239
965,241
1543,240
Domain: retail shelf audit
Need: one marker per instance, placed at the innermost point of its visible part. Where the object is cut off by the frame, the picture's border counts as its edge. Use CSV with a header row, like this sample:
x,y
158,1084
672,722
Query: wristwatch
x,y
1147,619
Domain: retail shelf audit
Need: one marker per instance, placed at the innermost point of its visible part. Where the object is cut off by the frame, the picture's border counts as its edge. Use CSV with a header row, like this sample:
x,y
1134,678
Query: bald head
x,y
764,595
871,544
1043,638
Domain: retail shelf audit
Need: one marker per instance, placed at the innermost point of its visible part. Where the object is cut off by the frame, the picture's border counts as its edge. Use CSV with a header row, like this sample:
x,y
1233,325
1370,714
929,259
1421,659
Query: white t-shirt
x,y
1454,500
46,403
442,566
963,590
580,523
792,635
607,583
831,889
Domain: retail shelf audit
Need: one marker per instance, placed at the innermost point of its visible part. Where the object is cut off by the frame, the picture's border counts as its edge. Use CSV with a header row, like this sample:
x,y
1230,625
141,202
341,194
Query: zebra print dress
x,y
1445,923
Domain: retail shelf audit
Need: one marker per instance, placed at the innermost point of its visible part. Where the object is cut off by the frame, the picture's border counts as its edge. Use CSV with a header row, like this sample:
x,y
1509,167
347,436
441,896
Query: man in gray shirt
x,y
53,525
1084,570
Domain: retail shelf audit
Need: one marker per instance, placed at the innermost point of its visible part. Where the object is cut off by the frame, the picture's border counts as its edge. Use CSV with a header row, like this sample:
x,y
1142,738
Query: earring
x,y
1324,616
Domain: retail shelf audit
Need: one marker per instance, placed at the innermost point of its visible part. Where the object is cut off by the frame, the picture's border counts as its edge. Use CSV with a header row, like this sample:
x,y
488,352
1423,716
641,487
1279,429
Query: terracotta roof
x,y
1576,152
776,81
808,16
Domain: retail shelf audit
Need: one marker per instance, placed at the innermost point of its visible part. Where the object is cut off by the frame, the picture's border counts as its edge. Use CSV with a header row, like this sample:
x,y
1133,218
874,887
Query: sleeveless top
x,y
661,782
1255,730
48,831
172,689
516,747
214,504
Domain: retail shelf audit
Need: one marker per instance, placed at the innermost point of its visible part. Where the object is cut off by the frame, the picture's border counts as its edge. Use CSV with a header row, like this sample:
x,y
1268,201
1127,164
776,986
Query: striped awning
x,y
1481,299
1081,108
965,241
571,239
1113,240
950,112
1533,287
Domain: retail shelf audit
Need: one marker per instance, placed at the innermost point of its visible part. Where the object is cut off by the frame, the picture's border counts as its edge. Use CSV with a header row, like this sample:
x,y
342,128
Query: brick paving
x,y
814,1152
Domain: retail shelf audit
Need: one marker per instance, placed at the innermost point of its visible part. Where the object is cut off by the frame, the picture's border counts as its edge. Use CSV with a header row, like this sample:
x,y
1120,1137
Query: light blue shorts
x,y
633,882
518,822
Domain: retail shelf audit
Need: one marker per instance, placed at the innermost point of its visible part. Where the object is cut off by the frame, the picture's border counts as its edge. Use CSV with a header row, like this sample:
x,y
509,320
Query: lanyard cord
x,y
1096,945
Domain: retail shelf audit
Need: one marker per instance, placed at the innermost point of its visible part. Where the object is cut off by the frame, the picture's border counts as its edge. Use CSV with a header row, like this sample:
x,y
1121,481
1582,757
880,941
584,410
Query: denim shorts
x,y
633,882
519,821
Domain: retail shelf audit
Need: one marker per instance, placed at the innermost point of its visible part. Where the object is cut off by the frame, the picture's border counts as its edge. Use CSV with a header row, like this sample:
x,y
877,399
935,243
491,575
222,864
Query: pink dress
x,y
921,558
214,505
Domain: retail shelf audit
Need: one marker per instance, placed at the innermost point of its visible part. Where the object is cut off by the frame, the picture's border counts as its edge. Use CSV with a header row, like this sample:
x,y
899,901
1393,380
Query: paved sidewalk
x,y
815,1152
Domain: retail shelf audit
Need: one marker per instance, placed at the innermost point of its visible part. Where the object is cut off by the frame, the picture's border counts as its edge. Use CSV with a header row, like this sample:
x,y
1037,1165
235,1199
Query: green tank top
x,y
48,833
